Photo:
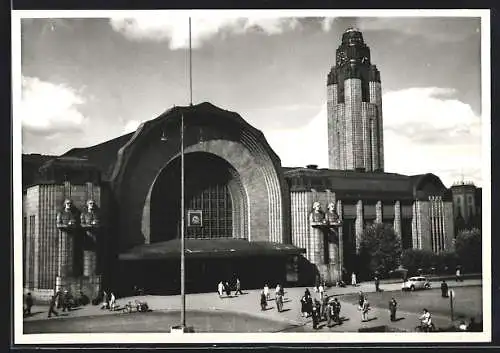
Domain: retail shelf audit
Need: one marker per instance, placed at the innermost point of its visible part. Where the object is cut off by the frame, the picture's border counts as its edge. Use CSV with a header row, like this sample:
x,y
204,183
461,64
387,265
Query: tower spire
x,y
355,129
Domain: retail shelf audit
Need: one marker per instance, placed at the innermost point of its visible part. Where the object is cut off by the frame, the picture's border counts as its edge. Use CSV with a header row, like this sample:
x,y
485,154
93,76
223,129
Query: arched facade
x,y
256,182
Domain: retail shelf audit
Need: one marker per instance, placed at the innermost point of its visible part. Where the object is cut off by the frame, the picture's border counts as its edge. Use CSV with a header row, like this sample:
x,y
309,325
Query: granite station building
x,y
247,215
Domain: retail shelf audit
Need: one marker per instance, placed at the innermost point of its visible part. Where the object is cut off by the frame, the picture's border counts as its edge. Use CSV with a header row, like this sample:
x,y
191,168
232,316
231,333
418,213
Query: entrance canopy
x,y
204,248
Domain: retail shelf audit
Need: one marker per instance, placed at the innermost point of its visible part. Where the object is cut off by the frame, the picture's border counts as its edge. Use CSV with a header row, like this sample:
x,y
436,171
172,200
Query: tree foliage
x,y
468,247
428,262
380,249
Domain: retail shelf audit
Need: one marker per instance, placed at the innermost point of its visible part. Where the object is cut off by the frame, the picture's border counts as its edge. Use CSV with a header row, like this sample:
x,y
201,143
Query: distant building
x,y
247,215
467,201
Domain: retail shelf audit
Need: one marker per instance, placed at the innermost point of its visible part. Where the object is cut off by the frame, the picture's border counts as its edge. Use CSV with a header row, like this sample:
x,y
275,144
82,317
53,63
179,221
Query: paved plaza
x,y
206,310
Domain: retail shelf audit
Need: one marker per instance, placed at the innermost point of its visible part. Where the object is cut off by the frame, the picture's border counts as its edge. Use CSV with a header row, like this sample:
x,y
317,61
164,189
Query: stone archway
x,y
212,130
212,185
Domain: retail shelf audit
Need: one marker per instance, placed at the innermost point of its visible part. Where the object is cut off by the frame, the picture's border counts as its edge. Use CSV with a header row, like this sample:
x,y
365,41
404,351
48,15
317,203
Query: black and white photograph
x,y
251,176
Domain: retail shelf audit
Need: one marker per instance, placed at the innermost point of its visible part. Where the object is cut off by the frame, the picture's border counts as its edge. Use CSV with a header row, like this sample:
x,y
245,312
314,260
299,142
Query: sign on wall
x,y
195,218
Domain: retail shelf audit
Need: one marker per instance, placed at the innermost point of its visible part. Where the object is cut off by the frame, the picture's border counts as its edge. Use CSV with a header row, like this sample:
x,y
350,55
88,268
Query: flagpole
x,y
183,253
190,68
183,275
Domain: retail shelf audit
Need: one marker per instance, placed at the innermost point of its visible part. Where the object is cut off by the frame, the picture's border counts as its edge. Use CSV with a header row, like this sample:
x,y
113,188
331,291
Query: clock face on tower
x,y
342,57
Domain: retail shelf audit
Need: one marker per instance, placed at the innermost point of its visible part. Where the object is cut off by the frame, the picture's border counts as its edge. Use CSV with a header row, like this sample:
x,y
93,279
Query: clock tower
x,y
354,106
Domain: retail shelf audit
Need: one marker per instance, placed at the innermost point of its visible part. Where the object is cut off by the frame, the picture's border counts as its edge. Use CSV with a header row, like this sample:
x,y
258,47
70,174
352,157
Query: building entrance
x,y
211,186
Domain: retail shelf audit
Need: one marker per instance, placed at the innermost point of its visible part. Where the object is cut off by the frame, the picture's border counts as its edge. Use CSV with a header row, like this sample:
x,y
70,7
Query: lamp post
x,y
182,327
183,273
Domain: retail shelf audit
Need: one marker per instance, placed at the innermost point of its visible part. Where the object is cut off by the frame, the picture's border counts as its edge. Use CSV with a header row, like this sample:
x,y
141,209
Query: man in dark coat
x,y
29,304
279,302
263,301
52,305
336,311
377,284
315,315
303,305
309,305
444,289
392,308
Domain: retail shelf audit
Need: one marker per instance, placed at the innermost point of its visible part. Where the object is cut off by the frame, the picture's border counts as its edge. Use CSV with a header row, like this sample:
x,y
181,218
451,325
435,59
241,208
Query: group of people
x,y
320,309
279,294
108,301
225,287
64,300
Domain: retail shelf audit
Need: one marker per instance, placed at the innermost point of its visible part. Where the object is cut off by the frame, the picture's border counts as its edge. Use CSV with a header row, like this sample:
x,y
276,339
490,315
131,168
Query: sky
x,y
88,80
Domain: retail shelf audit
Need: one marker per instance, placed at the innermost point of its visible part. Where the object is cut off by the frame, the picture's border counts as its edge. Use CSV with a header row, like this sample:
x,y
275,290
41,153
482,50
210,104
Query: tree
x,y
380,249
415,259
468,247
426,260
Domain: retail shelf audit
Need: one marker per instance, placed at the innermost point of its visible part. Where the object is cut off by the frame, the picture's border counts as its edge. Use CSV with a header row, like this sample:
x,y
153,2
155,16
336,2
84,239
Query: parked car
x,y
414,283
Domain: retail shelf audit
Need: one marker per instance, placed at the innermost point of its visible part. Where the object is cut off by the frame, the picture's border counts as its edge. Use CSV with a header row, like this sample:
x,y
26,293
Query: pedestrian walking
x,y
112,302
238,286
321,291
266,291
105,300
377,284
52,306
315,316
336,311
309,305
220,289
361,299
354,282
277,290
458,275
59,295
330,312
364,310
263,301
324,308
65,301
393,305
29,304
444,289
303,305
279,302
227,288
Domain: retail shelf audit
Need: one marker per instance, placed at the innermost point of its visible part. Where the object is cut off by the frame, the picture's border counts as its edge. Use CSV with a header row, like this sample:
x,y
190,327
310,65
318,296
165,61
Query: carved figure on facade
x,y
317,216
332,220
69,217
91,220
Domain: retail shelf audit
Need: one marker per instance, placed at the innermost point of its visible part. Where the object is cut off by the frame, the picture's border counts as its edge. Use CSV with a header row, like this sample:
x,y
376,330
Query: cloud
x,y
131,126
426,130
49,108
302,146
175,29
327,23
450,29
430,114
